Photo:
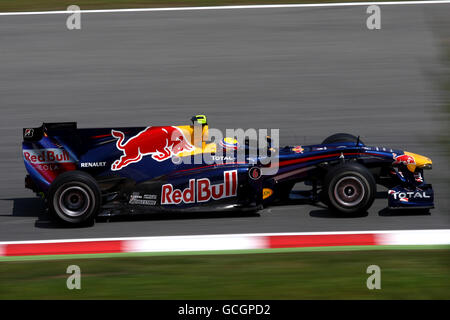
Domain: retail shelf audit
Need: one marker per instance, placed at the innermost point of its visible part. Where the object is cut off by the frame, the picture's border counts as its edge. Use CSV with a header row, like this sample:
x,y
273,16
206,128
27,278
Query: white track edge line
x,y
237,7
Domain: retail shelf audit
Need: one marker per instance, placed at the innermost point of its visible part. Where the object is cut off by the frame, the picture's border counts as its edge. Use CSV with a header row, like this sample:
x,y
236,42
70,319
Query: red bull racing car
x,y
85,173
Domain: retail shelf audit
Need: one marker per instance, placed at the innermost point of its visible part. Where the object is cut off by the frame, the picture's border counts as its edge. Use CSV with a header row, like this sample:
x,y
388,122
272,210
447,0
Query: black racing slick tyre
x,y
349,189
341,137
74,197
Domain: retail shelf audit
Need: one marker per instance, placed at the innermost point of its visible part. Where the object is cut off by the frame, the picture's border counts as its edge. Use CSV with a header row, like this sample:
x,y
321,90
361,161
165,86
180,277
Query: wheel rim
x,y
349,191
74,201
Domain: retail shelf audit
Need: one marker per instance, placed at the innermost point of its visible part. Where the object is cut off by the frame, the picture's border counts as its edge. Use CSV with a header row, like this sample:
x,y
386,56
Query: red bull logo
x,y
46,156
49,163
404,159
161,143
201,190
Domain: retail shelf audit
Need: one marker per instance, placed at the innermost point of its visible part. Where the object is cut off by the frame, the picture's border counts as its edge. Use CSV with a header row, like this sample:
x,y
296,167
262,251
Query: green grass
x,y
405,274
43,5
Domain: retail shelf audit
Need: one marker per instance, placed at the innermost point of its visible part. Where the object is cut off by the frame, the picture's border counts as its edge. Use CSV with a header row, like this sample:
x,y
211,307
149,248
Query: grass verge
x,y
405,274
44,5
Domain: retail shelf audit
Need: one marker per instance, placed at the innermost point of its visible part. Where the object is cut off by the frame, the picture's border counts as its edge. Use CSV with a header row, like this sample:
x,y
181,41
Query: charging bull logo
x,y
160,142
404,159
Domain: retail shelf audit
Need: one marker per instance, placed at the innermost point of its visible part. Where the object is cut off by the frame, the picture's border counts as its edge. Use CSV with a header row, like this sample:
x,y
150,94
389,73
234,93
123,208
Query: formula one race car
x,y
83,173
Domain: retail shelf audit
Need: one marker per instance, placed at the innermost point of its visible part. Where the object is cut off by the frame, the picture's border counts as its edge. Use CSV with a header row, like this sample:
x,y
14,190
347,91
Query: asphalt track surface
x,y
310,72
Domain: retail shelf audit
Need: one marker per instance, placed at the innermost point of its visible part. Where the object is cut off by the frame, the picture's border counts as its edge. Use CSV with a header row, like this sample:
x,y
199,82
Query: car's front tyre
x,y
74,197
350,188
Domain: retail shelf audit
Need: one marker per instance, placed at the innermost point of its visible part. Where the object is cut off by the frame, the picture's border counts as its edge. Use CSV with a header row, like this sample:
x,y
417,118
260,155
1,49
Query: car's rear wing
x,y
36,134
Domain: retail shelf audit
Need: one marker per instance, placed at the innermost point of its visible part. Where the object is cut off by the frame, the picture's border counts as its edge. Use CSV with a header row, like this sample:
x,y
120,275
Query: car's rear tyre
x,y
341,137
74,197
349,189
